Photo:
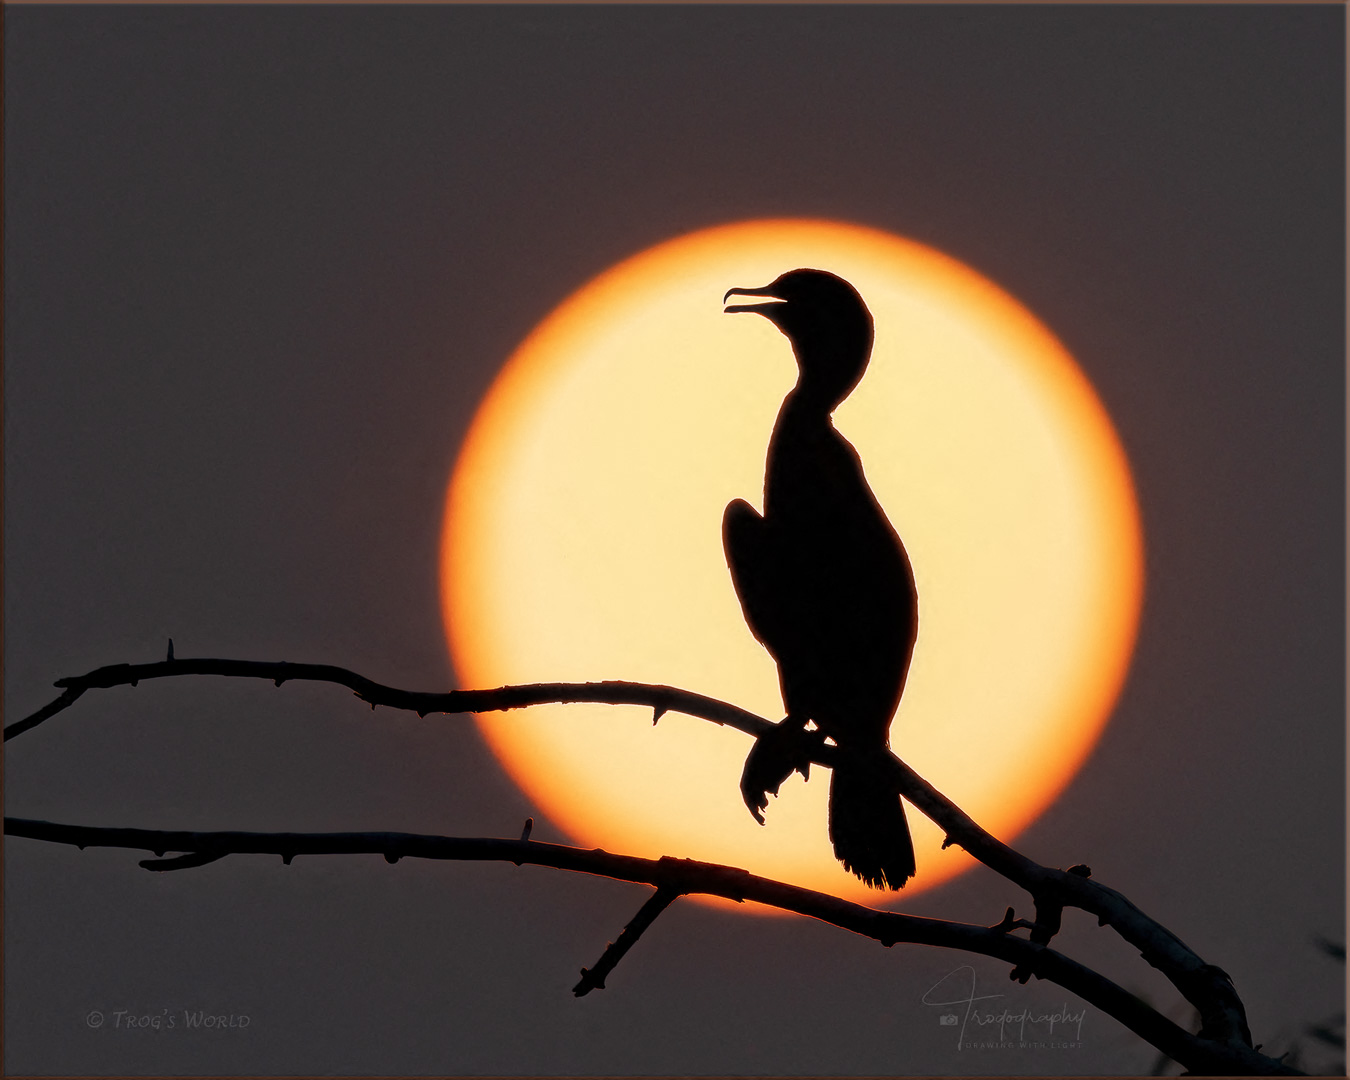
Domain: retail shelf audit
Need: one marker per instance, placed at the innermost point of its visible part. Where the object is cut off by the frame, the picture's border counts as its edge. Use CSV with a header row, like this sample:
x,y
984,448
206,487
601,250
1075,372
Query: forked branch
x,y
673,877
1222,1045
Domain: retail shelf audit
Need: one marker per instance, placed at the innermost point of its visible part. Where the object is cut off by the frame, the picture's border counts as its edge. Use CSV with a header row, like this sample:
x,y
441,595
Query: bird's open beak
x,y
758,308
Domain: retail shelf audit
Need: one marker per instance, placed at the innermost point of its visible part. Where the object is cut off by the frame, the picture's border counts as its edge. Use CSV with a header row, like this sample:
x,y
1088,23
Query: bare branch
x,y
1206,986
660,698
182,862
594,978
68,698
676,876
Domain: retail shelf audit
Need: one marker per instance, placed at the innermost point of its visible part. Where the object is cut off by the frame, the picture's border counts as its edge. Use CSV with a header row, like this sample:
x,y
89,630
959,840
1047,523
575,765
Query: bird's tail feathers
x,y
868,827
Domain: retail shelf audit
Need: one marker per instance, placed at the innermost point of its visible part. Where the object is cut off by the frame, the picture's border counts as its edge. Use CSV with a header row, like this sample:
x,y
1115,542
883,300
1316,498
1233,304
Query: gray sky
x,y
261,265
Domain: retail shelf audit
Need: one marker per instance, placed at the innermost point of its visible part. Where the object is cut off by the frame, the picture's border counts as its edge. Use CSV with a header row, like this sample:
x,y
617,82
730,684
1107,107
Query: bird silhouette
x,y
825,584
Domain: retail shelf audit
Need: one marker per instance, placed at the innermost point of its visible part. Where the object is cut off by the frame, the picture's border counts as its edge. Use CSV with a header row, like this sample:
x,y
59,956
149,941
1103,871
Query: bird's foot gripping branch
x,y
1222,1046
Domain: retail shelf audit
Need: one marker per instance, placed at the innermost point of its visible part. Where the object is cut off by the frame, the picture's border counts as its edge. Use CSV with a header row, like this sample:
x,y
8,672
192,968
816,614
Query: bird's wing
x,y
756,572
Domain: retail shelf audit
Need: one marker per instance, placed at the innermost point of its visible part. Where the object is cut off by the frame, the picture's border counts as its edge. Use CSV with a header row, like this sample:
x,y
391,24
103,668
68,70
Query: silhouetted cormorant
x,y
825,583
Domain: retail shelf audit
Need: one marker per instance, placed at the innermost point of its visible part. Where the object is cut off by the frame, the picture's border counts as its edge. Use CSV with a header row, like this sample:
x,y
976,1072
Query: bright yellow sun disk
x,y
582,542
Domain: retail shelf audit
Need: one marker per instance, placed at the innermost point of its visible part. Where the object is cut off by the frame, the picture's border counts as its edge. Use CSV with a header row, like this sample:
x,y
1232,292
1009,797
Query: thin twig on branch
x,y
68,698
673,877
1207,987
594,978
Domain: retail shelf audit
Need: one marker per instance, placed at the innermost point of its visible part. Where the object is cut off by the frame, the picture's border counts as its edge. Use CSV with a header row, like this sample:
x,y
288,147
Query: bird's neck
x,y
807,405
806,458
826,375
803,427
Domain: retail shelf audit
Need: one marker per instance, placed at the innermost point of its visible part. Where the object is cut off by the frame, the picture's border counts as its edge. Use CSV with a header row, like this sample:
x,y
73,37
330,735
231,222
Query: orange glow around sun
x,y
582,541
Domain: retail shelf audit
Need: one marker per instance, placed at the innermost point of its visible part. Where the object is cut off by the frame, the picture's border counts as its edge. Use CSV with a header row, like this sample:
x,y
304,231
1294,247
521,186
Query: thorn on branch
x,y
594,978
182,862
391,858
1010,923
286,857
588,983
1214,969
1022,973
658,711
525,834
170,656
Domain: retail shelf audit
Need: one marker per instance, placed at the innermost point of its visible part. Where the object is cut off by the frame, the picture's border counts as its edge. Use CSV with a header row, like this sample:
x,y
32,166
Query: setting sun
x,y
582,541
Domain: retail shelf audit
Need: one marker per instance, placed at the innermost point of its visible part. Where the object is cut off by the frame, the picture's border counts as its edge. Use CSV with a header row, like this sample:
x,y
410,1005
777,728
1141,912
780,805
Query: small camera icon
x,y
947,1019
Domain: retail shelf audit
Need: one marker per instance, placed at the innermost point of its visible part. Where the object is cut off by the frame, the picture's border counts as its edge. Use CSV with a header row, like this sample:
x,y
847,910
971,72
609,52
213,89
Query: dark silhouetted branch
x,y
660,698
67,698
673,877
594,978
182,862
1207,987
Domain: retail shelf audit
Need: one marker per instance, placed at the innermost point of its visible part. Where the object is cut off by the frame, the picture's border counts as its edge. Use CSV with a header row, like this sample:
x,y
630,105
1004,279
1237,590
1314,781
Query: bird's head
x,y
827,323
